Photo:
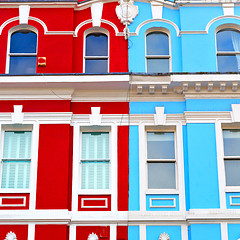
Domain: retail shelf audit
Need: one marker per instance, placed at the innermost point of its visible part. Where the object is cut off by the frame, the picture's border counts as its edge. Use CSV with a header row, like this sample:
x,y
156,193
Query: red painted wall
x,y
21,231
14,201
36,105
91,202
106,107
122,233
51,232
123,167
53,164
84,231
70,169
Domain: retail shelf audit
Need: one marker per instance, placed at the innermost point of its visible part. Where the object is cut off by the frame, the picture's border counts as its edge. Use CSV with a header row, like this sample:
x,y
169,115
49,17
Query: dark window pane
x,y
161,175
231,139
22,65
96,45
157,44
157,65
23,42
96,65
232,169
228,63
228,40
160,145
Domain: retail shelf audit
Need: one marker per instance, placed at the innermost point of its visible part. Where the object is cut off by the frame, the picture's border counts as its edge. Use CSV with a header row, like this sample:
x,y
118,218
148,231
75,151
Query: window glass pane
x,y
95,145
232,169
228,63
157,65
22,65
23,42
160,145
228,40
15,174
95,175
157,44
96,44
231,140
17,145
96,65
161,175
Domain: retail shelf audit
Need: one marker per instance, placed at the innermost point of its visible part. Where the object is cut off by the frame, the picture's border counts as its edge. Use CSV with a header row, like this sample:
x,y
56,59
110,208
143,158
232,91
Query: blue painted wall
x,y
133,232
205,231
153,232
233,231
235,200
133,168
202,165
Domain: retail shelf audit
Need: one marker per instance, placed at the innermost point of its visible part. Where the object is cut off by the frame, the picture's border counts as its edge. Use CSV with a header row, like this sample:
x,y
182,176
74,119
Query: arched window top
x,y
227,40
157,43
228,50
23,41
96,44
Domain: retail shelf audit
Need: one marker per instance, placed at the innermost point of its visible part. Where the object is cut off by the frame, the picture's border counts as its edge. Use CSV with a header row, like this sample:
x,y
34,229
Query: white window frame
x,y
92,31
91,130
222,28
12,31
162,161
78,122
160,30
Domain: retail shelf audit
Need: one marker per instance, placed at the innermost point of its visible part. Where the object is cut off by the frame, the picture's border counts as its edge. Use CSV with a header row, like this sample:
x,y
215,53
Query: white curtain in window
x,y
236,46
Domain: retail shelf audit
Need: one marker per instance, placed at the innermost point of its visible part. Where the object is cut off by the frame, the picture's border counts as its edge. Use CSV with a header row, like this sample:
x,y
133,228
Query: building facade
x,y
119,120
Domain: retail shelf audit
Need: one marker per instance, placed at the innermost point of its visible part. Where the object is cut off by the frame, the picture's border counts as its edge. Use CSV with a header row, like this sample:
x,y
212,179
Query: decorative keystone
x,y
11,236
92,236
164,236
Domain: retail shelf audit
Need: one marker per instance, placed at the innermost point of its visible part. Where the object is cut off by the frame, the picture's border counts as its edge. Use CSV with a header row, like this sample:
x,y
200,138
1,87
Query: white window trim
x,y
32,126
13,30
76,178
179,170
221,28
161,30
96,30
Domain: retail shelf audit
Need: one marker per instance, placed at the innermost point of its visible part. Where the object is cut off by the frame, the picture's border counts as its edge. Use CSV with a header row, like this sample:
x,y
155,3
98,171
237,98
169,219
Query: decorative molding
x,y
157,10
17,116
235,112
160,117
94,199
231,201
24,11
92,236
96,11
95,117
126,12
228,9
13,205
164,236
11,236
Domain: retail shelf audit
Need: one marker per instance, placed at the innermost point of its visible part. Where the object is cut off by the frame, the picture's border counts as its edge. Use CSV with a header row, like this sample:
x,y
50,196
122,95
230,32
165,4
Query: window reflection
x,y
23,52
228,50
96,54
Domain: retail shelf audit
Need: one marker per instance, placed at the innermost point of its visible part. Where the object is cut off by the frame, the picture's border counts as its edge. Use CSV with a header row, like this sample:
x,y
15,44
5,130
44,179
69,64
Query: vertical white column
x,y
224,231
180,164
76,159
113,231
220,164
31,231
142,164
34,164
72,232
184,232
142,232
114,174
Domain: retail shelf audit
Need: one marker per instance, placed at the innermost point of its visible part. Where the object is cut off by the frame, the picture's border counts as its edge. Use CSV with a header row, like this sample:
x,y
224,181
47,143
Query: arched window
x,y
23,52
96,53
157,55
228,50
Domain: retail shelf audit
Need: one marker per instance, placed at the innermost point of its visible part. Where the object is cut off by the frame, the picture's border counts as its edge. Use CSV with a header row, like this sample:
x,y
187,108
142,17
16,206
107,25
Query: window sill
x,y
162,191
14,190
232,189
94,192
